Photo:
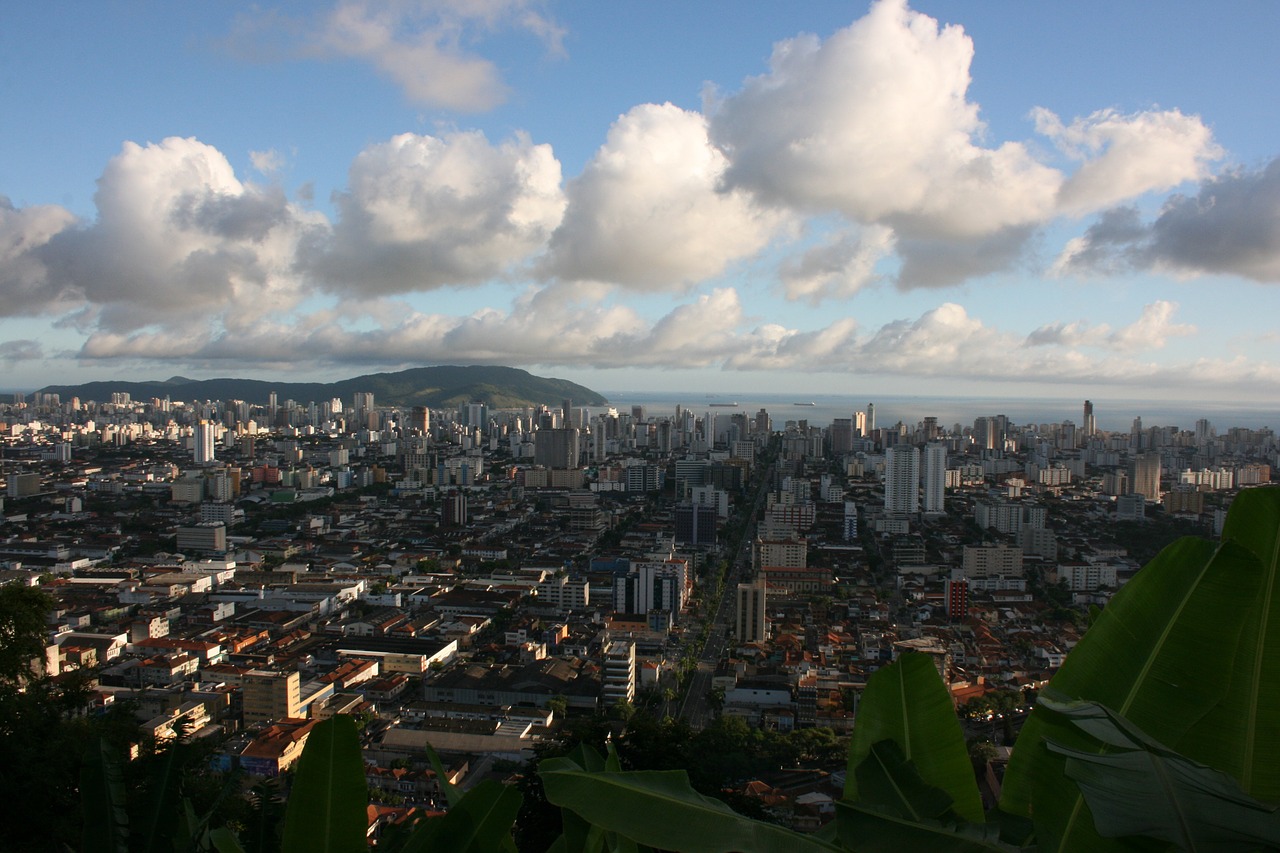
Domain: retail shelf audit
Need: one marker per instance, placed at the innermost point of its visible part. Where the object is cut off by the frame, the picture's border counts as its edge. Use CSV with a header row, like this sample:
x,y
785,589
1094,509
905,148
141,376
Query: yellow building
x,y
270,696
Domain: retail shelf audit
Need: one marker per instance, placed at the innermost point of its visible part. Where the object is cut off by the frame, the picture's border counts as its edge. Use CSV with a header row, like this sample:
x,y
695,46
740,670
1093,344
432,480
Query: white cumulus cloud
x,y
875,123
1125,156
178,235
839,267
648,211
422,212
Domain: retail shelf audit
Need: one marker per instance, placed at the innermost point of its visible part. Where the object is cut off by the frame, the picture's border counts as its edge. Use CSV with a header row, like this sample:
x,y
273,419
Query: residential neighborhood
x,y
467,582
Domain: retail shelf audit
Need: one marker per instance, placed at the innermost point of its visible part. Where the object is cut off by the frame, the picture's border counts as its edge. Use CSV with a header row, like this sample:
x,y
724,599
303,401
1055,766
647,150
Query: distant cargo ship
x,y
724,405
804,404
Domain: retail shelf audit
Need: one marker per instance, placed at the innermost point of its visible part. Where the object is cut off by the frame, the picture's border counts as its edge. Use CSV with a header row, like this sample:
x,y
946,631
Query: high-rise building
x,y
650,585
763,424
362,404
1144,476
556,448
619,676
271,695
1204,431
984,433
203,449
934,476
453,510
956,596
902,479
871,420
750,622
840,435
695,524
420,420
1090,425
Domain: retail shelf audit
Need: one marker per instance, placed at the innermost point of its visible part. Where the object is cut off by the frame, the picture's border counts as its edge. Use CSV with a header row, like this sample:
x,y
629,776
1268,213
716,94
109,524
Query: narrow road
x,y
694,709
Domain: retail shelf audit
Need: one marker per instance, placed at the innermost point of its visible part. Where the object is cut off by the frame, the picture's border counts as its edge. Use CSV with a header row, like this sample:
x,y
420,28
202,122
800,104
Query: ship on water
x,y
724,405
804,404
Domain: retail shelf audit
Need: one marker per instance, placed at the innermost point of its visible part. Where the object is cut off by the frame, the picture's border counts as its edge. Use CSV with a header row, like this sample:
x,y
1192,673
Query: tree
x,y
23,627
41,748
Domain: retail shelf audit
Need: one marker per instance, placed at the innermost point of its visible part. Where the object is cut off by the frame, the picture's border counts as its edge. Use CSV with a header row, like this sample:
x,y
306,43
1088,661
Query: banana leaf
x,y
1145,657
866,829
898,810
102,797
888,781
452,794
658,808
327,811
1140,787
480,822
907,703
1241,735
160,823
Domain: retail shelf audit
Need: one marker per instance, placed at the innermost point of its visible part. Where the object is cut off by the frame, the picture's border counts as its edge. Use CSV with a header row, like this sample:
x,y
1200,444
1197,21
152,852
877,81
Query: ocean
x,y
1111,414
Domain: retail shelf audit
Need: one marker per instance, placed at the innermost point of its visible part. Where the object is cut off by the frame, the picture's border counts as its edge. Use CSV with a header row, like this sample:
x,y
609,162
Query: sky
x,y
999,198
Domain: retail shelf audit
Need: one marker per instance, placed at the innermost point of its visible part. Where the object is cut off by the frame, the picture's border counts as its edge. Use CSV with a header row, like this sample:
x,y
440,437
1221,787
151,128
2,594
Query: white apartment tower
x,y
902,479
203,447
934,476
619,681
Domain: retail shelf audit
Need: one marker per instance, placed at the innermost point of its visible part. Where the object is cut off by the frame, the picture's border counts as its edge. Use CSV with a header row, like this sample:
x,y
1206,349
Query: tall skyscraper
x,y
902,479
1144,476
203,449
871,420
984,433
1090,425
363,405
934,476
420,420
556,448
840,435
750,625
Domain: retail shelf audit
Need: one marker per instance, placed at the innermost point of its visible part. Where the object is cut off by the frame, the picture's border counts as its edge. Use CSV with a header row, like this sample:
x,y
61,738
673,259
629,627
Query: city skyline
x,y
936,198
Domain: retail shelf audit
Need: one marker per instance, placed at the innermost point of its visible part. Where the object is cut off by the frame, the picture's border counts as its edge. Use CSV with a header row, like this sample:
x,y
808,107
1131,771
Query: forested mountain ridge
x,y
449,385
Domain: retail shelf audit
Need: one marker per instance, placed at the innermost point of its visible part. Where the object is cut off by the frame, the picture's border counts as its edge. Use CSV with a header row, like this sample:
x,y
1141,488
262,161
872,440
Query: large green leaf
x,y
327,811
888,781
867,829
907,703
1145,657
658,808
225,841
161,820
452,794
480,822
102,797
1140,787
1241,736
897,810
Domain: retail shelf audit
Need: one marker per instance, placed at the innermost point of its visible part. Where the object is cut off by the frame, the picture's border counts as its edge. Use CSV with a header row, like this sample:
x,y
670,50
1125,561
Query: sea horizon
x,y
1110,414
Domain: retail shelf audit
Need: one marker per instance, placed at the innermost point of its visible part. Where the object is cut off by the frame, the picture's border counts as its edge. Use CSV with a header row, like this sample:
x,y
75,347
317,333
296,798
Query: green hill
x,y
442,387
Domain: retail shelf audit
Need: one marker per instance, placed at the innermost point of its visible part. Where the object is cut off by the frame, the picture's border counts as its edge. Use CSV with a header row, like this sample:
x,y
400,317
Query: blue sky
x,y
1001,198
